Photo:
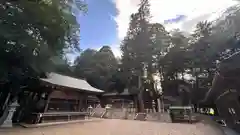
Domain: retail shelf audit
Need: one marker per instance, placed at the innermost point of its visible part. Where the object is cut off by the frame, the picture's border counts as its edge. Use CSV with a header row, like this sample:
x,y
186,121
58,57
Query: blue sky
x,y
98,27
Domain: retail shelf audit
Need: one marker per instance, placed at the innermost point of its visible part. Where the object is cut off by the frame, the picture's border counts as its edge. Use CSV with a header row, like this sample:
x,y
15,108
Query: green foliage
x,y
176,59
204,47
97,67
32,33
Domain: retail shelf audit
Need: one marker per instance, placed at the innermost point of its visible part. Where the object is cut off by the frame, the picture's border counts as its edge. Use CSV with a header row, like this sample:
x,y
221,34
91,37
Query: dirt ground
x,y
119,127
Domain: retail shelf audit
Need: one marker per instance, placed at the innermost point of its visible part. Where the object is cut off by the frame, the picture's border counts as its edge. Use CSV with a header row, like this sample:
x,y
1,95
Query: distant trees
x,y
208,44
97,67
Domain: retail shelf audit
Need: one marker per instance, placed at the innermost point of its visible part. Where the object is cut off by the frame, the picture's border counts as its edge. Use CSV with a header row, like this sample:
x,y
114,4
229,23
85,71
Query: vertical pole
x,y
48,100
140,100
162,103
159,104
80,102
135,103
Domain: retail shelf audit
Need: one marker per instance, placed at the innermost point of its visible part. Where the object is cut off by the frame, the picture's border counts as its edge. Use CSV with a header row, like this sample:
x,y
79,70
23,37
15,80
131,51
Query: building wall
x,y
65,95
66,100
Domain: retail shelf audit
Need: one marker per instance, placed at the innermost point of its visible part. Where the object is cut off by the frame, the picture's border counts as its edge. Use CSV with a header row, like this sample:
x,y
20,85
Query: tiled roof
x,y
70,82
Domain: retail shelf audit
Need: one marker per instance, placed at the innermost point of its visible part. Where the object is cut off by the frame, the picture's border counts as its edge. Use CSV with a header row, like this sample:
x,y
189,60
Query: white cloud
x,y
166,9
195,10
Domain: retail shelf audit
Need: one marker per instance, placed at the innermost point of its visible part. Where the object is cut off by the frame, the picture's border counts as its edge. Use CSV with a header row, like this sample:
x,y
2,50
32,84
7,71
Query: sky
x,y
107,21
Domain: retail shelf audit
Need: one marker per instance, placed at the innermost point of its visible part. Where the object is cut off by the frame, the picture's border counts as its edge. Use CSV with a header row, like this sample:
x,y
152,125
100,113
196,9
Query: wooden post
x,y
123,103
79,102
48,100
84,101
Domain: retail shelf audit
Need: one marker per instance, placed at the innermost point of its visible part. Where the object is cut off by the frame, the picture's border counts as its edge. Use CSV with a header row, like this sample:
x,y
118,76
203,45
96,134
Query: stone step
x,y
161,117
98,112
56,123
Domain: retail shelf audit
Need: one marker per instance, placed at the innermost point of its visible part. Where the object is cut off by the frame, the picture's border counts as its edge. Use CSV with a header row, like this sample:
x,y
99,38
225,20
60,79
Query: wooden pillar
x,y
122,104
135,99
48,100
83,101
80,102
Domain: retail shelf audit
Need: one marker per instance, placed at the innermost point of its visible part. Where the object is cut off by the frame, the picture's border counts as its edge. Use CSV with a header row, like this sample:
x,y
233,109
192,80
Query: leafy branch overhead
x,y
32,34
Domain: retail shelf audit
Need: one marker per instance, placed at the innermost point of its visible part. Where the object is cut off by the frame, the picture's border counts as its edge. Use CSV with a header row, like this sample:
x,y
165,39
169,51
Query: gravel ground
x,y
120,127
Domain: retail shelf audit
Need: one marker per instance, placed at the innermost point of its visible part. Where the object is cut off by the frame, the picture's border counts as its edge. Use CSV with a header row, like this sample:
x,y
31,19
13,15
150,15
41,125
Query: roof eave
x,y
44,82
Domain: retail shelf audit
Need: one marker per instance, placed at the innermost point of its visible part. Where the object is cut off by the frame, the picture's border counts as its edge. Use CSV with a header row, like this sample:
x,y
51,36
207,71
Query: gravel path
x,y
120,127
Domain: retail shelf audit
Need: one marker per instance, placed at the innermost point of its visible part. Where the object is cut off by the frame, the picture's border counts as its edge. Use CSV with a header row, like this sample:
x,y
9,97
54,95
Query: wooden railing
x,y
56,116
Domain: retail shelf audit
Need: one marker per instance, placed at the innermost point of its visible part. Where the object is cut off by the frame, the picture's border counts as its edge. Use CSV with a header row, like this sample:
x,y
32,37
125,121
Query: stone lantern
x,y
12,109
158,89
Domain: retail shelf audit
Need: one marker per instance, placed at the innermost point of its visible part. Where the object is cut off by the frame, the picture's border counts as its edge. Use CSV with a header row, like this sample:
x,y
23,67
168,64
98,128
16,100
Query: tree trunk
x,y
159,104
162,101
141,103
156,105
135,104
140,95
